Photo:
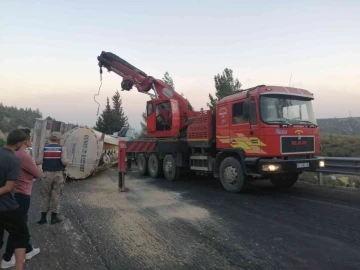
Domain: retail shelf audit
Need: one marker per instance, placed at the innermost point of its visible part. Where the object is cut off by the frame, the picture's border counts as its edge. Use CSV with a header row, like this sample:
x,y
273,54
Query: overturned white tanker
x,y
88,150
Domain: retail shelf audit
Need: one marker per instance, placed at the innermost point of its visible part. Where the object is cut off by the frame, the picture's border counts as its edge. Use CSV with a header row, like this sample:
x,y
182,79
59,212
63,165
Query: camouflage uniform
x,y
54,160
51,190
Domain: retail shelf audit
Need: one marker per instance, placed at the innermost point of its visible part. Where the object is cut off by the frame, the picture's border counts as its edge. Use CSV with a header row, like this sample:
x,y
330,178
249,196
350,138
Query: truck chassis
x,y
169,157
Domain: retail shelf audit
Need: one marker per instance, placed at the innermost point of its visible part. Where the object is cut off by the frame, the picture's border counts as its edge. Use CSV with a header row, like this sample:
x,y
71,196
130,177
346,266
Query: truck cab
x,y
274,130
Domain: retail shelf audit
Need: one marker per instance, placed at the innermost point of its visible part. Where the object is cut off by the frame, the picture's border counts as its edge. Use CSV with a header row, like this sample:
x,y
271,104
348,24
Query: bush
x,y
332,179
340,145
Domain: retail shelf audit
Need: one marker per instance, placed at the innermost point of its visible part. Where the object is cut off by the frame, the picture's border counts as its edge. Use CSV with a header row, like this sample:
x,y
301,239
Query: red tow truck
x,y
264,132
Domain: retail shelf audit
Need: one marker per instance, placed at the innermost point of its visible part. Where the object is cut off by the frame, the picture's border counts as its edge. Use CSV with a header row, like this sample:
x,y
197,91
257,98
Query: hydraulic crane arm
x,y
133,76
130,74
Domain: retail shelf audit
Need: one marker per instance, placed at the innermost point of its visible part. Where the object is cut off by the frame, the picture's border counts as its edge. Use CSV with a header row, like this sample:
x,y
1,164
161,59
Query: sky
x,y
48,51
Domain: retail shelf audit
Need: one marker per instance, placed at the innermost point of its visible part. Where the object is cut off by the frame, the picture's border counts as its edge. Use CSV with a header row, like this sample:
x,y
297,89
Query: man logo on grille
x,y
298,132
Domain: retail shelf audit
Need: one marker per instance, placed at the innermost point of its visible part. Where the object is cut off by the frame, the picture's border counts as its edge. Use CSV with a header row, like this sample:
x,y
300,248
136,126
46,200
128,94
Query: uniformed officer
x,y
54,161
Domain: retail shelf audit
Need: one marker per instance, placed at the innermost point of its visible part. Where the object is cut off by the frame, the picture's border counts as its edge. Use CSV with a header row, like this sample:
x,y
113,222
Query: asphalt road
x,y
195,224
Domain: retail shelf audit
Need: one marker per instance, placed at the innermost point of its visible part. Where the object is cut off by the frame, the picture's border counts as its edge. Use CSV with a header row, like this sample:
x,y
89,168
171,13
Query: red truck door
x,y
244,130
151,117
223,125
175,117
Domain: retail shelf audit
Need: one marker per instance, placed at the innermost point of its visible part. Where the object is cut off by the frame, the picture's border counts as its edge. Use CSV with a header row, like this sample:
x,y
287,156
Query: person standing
x,y
53,161
22,192
10,218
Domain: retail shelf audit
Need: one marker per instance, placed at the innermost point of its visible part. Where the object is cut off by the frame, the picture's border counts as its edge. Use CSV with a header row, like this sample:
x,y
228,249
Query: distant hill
x,y
13,117
340,126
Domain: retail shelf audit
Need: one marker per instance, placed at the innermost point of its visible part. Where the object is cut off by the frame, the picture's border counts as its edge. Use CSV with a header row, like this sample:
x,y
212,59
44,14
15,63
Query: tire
x,y
142,164
171,171
284,180
232,175
154,166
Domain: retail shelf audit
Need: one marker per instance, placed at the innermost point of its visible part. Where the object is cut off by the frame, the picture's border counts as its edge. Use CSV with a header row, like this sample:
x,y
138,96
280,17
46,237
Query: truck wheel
x,y
171,171
232,175
284,180
155,166
142,164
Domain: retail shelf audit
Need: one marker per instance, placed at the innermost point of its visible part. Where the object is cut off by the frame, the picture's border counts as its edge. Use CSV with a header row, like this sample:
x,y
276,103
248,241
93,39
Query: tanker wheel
x,y
155,166
284,180
106,159
142,164
232,175
171,171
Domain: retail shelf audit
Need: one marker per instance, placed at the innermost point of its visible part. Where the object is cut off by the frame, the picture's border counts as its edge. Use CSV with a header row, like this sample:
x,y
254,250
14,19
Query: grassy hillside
x,y
337,146
12,117
340,145
340,126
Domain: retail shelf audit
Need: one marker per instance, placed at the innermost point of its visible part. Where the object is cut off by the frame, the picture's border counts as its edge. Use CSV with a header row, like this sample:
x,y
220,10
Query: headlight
x,y
321,163
271,167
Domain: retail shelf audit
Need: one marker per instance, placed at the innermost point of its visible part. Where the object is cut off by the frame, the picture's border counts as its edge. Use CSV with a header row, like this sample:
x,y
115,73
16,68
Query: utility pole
x,y
290,79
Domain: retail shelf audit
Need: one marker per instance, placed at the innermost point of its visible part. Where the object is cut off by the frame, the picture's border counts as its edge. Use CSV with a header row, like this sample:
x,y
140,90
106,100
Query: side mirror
x,y
246,109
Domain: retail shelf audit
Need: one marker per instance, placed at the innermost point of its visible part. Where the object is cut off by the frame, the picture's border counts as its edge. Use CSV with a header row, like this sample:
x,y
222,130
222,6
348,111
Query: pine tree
x,y
119,118
143,132
38,113
168,80
103,124
225,84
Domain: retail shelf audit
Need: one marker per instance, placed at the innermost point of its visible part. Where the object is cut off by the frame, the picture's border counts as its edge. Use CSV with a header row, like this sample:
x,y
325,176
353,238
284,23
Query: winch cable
x,y
99,91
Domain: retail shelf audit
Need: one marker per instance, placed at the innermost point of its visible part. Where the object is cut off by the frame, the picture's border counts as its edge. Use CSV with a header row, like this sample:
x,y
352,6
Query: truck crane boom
x,y
133,76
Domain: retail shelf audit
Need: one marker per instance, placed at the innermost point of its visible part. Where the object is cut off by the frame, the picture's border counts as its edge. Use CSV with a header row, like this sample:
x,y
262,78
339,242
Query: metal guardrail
x,y
339,165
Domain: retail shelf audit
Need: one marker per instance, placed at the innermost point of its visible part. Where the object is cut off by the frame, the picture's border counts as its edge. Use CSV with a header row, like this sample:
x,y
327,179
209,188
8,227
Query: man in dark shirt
x,y
10,218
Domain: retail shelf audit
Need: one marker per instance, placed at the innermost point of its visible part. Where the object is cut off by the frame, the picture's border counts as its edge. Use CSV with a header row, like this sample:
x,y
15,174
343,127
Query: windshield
x,y
126,132
123,131
286,109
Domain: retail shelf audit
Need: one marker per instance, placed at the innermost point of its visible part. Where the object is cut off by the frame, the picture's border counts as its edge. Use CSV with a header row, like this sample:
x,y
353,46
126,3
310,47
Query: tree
x,y
12,117
143,132
168,80
103,124
119,118
137,135
112,119
225,85
38,113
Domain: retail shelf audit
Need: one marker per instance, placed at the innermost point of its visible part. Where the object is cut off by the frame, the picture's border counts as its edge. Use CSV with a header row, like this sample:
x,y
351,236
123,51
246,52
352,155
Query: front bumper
x,y
271,166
